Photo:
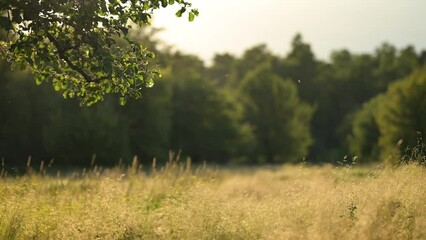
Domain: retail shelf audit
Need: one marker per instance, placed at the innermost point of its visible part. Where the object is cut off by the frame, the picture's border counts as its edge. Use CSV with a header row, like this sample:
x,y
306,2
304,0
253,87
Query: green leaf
x,y
191,16
149,83
140,78
146,6
179,13
195,11
171,2
39,80
122,101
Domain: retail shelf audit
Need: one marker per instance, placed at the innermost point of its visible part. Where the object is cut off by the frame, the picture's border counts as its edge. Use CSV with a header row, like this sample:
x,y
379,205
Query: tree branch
x,y
61,53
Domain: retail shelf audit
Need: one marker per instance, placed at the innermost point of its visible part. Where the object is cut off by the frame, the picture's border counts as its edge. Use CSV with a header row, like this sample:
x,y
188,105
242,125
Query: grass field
x,y
176,202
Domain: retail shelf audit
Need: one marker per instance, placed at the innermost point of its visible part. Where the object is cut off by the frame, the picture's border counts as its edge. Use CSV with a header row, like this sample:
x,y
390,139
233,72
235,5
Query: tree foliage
x,y
364,137
74,44
280,121
195,109
149,121
72,134
300,66
402,119
205,125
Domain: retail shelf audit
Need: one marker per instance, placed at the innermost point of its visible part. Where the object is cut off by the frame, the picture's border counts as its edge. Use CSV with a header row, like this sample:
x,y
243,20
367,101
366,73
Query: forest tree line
x,y
259,107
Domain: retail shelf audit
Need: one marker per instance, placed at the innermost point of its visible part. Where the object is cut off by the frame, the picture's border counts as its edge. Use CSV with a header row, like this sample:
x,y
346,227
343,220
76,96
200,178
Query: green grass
x,y
176,202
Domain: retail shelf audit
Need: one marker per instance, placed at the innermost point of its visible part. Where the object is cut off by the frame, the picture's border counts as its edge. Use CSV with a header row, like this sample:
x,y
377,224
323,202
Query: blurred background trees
x,y
255,108
402,118
280,121
363,141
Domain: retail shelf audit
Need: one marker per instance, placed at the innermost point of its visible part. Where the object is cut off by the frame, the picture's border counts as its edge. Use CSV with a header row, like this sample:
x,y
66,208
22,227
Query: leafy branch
x,y
78,45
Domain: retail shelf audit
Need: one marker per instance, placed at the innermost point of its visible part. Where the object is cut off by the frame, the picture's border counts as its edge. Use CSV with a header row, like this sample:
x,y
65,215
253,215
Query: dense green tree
x,y
352,85
204,120
385,71
300,66
204,124
422,58
280,121
73,134
393,64
345,84
195,109
223,69
364,138
402,118
149,122
74,45
407,61
183,66
352,80
338,89
251,59
24,109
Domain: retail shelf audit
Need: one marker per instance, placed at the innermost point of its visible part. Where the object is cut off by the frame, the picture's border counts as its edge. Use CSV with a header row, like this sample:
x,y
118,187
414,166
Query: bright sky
x,y
236,25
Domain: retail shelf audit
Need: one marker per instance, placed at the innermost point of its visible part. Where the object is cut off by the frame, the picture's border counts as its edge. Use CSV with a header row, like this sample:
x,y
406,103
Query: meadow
x,y
178,201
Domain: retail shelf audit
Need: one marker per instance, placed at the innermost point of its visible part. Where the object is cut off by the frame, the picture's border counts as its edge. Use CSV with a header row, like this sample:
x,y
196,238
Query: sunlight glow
x,y
233,26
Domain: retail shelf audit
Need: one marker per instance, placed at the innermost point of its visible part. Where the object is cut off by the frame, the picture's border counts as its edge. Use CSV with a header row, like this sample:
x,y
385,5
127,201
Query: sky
x,y
233,26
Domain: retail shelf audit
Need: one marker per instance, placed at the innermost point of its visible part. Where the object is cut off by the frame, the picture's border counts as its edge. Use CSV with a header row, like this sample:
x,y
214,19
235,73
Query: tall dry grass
x,y
177,202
